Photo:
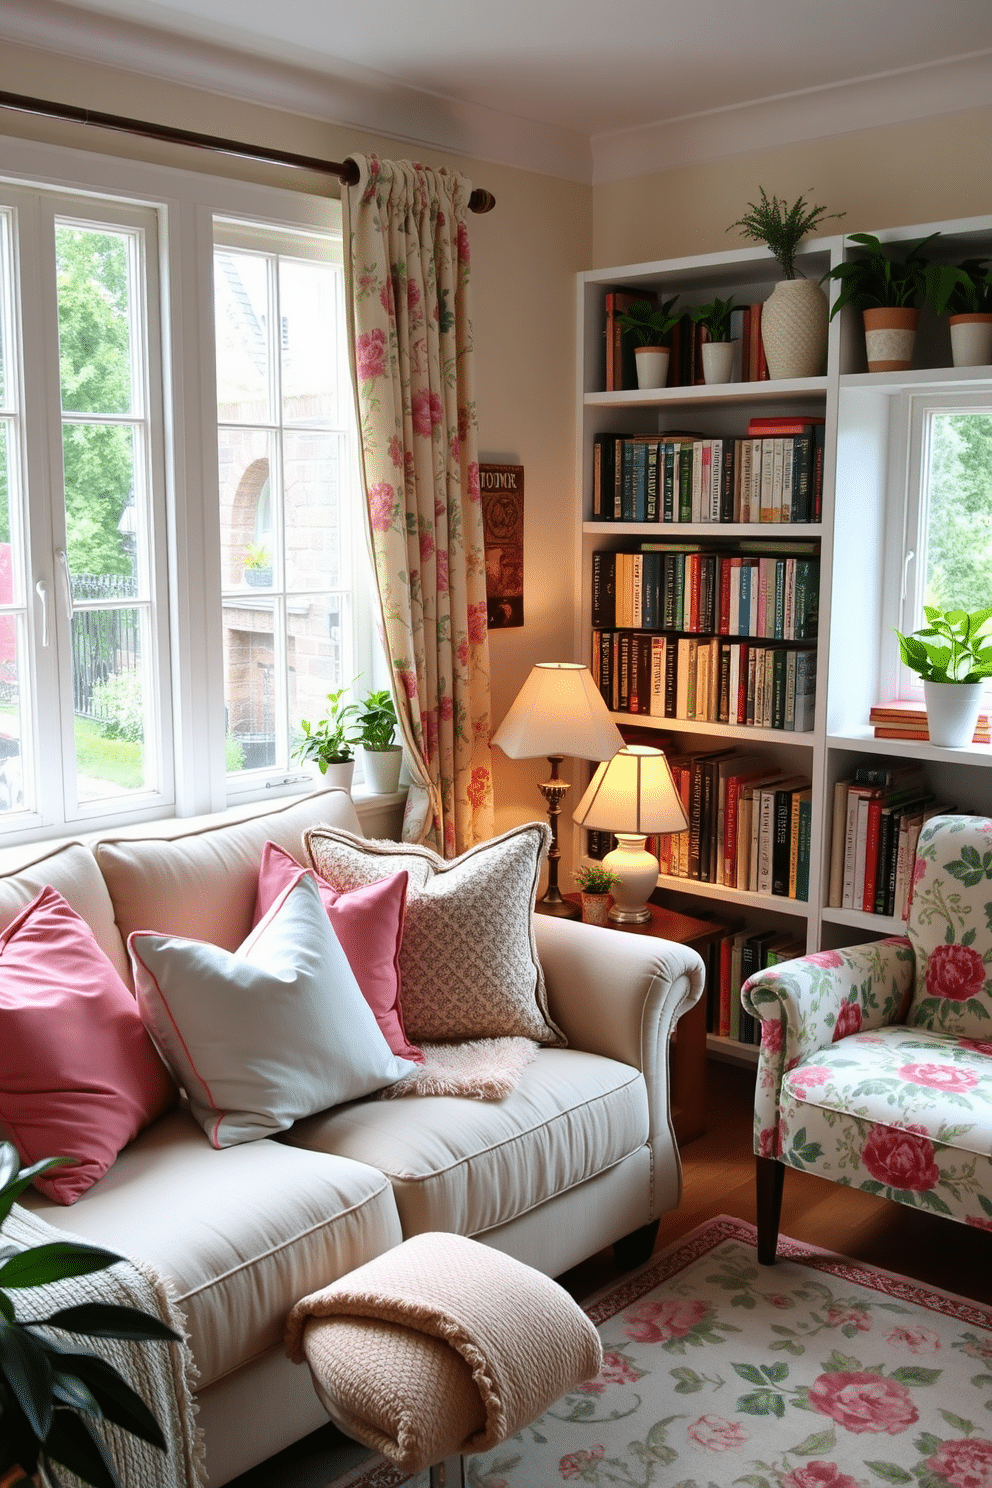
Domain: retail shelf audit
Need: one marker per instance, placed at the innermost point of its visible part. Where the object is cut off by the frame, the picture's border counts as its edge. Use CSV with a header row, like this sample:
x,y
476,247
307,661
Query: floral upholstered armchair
x,y
875,1068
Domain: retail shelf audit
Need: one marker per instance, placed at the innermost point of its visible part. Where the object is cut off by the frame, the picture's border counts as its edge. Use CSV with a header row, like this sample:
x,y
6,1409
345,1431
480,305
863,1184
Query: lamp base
x,y
628,916
560,908
637,878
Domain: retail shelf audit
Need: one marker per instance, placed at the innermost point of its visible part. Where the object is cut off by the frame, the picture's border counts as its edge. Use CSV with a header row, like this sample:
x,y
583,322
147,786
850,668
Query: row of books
x,y
877,817
741,955
773,475
771,595
685,366
716,681
903,718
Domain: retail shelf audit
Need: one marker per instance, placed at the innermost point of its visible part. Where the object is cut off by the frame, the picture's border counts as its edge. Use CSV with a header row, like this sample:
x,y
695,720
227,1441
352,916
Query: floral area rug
x,y
817,1372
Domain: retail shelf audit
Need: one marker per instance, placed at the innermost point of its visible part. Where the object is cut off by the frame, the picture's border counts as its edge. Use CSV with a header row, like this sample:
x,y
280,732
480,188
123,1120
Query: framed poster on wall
x,y
502,490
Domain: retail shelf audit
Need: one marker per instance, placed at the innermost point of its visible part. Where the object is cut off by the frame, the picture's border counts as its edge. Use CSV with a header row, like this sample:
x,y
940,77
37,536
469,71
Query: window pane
x,y
241,320
247,531
109,703
250,684
310,338
312,483
102,532
95,330
315,634
957,567
6,289
16,788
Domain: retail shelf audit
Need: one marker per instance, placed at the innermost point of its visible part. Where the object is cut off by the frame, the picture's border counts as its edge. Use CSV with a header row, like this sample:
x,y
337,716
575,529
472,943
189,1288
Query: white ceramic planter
x,y
718,360
652,366
794,329
952,711
382,769
971,340
339,774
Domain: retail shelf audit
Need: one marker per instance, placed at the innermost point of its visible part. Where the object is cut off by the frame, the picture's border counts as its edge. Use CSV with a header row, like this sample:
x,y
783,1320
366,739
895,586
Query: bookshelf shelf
x,y
974,755
739,898
730,1050
741,734
856,919
713,531
718,393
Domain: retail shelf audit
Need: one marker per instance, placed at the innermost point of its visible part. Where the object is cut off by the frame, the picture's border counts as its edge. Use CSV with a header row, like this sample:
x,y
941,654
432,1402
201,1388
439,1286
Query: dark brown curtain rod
x,y
345,170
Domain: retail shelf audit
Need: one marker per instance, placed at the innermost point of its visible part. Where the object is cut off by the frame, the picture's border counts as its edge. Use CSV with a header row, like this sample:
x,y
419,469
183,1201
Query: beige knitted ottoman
x,y
441,1346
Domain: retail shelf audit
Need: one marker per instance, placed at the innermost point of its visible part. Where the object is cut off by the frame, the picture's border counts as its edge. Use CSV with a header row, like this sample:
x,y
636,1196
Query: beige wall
x,y
893,177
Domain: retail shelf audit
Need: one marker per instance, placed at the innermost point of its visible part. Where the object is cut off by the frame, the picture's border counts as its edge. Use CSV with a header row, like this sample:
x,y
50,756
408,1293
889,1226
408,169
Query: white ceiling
x,y
598,80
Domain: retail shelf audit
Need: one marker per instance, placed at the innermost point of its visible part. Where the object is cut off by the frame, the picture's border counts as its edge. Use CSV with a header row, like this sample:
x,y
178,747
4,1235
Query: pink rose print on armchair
x,y
819,1475
862,1402
956,972
900,1158
965,1464
848,1020
938,1076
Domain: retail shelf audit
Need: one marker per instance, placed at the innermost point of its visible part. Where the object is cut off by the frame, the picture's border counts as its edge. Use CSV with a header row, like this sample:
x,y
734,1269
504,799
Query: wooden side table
x,y
687,1058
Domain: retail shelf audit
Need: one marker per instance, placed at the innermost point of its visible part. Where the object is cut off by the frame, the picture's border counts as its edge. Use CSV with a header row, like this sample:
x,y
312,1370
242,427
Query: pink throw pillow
x,y
369,924
79,1076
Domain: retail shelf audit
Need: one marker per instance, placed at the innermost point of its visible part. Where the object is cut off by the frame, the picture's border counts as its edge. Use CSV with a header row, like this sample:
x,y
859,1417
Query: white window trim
x,y
187,203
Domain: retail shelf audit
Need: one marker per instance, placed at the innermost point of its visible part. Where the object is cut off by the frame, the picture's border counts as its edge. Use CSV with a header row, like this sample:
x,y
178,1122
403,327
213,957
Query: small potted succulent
x,y
595,881
718,351
794,317
51,1389
651,326
886,289
327,742
953,655
963,292
381,757
258,565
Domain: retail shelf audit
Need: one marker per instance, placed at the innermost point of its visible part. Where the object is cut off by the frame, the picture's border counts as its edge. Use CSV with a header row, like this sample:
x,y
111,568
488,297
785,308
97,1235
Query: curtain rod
x,y
346,170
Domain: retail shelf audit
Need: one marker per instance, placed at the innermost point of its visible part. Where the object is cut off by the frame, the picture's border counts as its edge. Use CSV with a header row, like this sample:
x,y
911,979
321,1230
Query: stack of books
x,y
741,955
877,817
903,718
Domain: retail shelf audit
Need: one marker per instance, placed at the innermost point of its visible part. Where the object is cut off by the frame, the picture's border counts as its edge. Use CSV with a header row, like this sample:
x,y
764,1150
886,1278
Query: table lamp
x,y
558,711
631,795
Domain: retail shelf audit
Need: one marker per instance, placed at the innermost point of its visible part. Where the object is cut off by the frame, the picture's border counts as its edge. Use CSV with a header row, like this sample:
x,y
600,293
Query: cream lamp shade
x,y
632,795
558,711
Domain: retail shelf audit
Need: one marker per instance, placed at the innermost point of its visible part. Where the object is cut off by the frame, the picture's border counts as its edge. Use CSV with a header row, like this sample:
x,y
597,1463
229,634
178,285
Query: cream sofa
x,y
581,1154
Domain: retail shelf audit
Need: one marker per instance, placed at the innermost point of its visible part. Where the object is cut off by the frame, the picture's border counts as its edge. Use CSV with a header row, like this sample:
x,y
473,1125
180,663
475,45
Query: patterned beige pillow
x,y
468,959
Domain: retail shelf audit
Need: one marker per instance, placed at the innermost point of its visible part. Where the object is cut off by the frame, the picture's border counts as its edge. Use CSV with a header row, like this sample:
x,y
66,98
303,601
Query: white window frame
x,y
186,204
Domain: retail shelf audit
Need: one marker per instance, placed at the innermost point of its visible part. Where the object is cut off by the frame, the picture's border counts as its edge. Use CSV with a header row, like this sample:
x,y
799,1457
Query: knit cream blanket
x,y
163,1374
441,1345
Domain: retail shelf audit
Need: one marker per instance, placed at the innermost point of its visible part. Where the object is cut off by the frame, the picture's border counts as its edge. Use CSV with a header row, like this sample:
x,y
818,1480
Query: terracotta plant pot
x,y
971,340
652,366
794,329
890,334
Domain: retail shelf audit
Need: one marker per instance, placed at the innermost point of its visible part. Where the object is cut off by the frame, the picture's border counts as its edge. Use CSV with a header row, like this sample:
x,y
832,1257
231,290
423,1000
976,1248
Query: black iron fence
x,y
105,643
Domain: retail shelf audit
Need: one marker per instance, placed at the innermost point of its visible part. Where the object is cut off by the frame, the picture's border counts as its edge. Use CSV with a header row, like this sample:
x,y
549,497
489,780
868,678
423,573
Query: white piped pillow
x,y
268,1034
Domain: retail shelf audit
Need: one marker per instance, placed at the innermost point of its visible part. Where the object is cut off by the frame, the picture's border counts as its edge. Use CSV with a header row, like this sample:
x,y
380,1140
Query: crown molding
x,y
348,95
947,87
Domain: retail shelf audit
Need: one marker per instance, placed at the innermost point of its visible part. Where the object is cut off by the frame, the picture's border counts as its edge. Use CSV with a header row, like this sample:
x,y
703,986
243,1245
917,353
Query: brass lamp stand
x,y
554,792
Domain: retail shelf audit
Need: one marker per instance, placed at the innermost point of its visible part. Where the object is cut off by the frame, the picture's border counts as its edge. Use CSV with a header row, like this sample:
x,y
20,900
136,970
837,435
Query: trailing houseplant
x,y
382,758
718,351
952,653
794,317
886,289
327,742
651,327
50,1390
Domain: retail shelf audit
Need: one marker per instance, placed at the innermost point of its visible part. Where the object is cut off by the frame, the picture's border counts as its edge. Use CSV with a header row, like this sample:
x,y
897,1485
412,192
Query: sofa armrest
x,y
620,996
811,1002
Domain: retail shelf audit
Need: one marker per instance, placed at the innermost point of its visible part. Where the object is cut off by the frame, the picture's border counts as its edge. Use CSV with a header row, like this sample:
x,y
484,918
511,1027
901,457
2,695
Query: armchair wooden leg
x,y
769,1177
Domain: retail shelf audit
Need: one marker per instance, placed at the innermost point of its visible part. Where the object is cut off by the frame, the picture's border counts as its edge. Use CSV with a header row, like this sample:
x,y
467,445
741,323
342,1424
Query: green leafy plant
x,y
377,720
650,325
327,741
960,289
953,647
715,317
595,878
51,1392
876,279
781,227
257,556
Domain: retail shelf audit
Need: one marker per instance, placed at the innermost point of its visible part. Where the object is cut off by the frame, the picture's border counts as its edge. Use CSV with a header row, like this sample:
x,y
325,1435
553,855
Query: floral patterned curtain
x,y
408,272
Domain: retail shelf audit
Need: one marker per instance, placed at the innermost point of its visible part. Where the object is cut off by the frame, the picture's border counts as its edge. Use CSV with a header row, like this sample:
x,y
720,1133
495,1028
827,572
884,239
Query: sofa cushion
x,y
267,1034
468,1166
468,959
79,1076
369,924
241,1234
71,869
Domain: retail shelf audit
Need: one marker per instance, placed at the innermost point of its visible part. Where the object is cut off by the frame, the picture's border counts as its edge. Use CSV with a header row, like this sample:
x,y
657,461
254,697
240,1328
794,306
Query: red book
x,y
723,1015
723,615
692,584
786,424
742,683
871,855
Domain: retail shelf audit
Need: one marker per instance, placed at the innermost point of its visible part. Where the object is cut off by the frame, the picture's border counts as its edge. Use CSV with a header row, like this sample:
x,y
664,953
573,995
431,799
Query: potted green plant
x,y
953,655
963,292
651,326
381,758
50,1389
794,317
718,351
328,744
595,881
885,288
258,565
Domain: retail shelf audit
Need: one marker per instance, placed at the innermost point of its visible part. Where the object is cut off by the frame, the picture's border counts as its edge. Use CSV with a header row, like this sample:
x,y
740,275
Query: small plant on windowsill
x,y
953,655
381,757
327,742
258,565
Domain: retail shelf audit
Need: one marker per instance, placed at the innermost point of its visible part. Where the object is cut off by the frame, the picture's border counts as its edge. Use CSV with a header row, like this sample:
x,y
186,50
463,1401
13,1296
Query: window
x,y
177,487
947,559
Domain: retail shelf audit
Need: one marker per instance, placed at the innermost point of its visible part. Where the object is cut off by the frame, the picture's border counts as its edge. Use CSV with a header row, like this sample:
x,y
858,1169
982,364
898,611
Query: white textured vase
x,y
652,366
971,340
718,360
794,329
952,711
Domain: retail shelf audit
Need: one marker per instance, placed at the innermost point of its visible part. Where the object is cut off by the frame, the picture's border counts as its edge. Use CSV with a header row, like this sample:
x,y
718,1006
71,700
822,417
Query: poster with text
x,y
502,488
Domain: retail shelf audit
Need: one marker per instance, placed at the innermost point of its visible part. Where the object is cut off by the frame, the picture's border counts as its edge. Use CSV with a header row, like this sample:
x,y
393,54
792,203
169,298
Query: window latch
x,y
63,558
905,570
41,589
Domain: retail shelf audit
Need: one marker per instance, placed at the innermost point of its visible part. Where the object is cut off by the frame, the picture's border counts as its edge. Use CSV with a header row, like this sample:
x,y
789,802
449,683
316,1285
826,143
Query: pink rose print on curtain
x,y
717,1435
819,1475
656,1322
848,1020
477,629
901,1158
441,560
863,1402
427,412
955,972
938,1076
965,1464
478,787
370,355
382,505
